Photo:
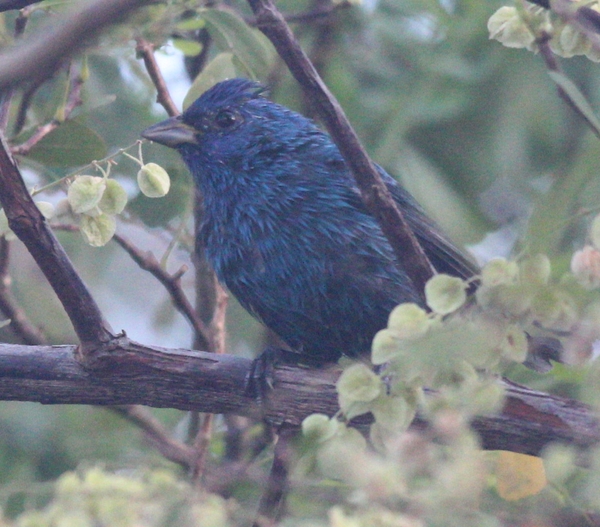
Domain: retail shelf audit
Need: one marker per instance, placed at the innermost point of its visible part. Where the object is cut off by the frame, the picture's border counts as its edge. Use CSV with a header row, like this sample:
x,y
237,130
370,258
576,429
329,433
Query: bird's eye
x,y
226,119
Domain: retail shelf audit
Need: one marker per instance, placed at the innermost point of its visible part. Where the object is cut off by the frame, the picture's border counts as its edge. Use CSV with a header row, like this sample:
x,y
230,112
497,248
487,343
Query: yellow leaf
x,y
519,475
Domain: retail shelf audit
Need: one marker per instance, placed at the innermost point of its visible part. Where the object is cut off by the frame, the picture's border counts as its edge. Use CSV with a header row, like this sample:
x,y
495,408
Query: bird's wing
x,y
443,254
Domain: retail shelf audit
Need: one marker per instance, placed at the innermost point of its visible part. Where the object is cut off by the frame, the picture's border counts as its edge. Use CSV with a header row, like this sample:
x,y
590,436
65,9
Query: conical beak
x,y
172,132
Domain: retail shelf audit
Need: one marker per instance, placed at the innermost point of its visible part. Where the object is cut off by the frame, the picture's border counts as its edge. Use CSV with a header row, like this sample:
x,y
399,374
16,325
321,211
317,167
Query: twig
x,y
146,50
375,194
543,43
317,13
172,283
542,3
20,323
218,323
73,101
24,104
173,450
211,305
201,445
31,228
272,502
583,18
209,320
6,98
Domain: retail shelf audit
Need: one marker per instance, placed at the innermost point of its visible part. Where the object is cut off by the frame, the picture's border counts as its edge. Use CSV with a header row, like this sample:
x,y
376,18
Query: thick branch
x,y
125,373
7,5
29,225
40,56
374,192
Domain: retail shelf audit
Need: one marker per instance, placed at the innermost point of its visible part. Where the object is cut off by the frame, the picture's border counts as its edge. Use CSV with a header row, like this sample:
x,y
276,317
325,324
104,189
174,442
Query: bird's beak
x,y
172,132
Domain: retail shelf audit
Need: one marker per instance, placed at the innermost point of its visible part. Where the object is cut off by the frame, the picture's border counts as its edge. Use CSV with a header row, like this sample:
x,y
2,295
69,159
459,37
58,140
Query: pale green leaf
x,y
248,45
577,99
218,69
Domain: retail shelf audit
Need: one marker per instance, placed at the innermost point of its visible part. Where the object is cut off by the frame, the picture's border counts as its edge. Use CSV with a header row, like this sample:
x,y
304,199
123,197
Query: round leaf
x,y
85,193
97,231
114,198
153,180
445,293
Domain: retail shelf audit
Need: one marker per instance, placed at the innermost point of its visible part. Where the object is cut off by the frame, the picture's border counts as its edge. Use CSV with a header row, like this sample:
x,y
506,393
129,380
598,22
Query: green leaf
x,y
85,193
113,199
551,221
191,24
359,383
248,45
97,231
218,69
445,294
71,144
578,99
189,48
153,180
319,427
409,321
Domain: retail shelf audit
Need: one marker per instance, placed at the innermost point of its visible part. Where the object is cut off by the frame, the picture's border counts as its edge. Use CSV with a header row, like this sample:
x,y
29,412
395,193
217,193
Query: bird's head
x,y
232,125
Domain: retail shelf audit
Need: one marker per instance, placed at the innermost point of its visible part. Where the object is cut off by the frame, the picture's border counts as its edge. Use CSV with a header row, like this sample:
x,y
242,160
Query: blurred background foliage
x,y
474,130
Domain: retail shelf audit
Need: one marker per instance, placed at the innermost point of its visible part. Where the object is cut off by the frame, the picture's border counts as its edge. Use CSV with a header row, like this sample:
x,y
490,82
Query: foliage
x,y
476,132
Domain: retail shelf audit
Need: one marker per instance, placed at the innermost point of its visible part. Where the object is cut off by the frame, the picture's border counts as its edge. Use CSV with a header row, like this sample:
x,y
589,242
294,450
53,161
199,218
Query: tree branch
x,y
146,50
172,450
172,283
313,14
7,5
375,194
124,372
40,56
29,225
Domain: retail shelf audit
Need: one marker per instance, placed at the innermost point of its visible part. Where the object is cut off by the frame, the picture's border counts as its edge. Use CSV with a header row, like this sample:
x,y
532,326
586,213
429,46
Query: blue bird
x,y
285,227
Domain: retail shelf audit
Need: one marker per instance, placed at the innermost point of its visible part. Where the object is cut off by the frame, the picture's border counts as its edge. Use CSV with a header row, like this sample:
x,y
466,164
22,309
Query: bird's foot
x,y
259,381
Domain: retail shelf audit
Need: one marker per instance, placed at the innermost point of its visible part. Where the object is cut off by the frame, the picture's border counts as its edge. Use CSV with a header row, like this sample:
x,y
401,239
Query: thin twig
x,y
209,320
173,450
6,98
201,446
73,101
374,192
20,323
272,502
146,50
24,104
172,283
543,43
583,18
315,14
218,327
211,305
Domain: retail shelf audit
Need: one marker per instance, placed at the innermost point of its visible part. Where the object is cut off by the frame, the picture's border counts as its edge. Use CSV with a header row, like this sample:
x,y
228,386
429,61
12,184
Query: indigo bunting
x,y
285,227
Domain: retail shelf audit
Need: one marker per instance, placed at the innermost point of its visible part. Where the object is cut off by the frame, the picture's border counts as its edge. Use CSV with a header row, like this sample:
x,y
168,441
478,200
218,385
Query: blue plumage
x,y
285,227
